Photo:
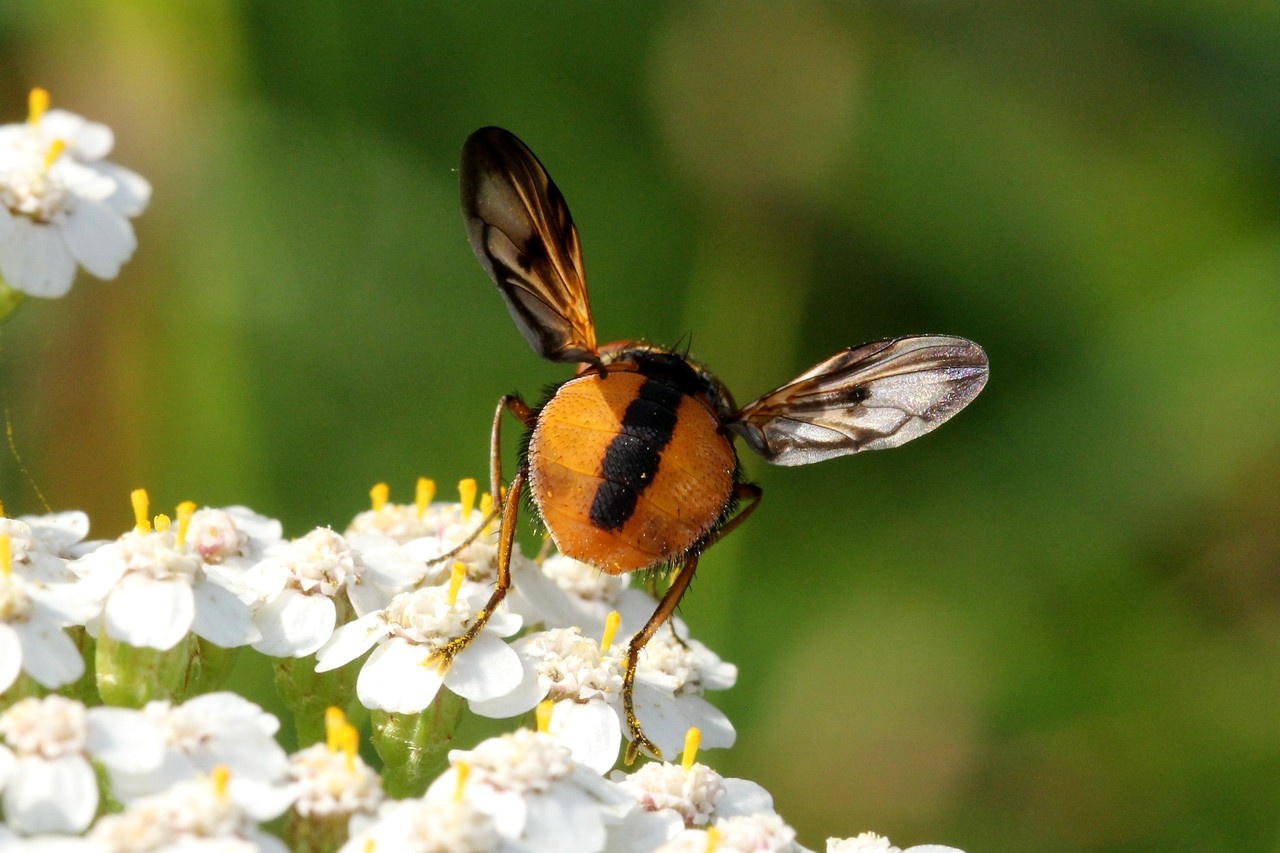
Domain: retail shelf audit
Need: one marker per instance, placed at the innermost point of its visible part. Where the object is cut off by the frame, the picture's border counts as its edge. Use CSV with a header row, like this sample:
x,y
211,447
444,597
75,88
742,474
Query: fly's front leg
x,y
508,403
513,404
443,657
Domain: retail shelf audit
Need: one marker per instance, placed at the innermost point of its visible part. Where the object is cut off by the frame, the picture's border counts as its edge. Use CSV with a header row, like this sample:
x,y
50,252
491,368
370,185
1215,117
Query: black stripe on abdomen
x,y
632,457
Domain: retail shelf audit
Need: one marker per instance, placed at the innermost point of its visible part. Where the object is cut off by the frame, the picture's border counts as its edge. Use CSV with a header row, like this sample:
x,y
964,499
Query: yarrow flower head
x,y
61,203
409,632
205,773
297,583
582,678
418,520
428,826
673,797
33,615
49,784
214,730
534,792
742,834
155,589
38,551
331,778
194,814
869,842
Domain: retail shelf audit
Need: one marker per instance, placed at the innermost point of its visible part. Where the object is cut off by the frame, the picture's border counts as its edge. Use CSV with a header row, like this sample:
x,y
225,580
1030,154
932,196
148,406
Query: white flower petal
x,y
351,640
717,731
508,809
591,730
48,655
661,718
385,562
396,678
643,830
566,821
294,625
98,237
132,195
367,598
34,259
528,693
8,763
142,611
485,669
86,140
124,739
66,604
220,617
259,799
57,532
10,656
58,795
742,797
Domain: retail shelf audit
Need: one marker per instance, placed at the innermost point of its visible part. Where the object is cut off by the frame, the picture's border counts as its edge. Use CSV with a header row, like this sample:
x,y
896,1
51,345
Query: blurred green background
x,y
1052,625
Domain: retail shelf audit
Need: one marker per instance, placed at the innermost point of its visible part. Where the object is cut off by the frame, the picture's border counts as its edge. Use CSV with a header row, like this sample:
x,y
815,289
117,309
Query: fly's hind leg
x,y
666,607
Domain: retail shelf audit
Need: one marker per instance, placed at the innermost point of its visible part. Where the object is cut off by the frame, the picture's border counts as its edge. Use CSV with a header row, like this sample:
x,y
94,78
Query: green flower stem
x,y
130,677
209,668
315,834
308,694
86,687
415,747
10,299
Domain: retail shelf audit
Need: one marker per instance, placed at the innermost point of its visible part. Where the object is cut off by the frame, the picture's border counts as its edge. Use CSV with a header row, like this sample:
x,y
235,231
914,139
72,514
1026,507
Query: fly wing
x,y
522,234
878,395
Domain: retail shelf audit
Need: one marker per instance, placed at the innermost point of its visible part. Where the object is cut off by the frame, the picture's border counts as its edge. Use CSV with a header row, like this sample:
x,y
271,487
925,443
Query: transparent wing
x,y
521,232
878,395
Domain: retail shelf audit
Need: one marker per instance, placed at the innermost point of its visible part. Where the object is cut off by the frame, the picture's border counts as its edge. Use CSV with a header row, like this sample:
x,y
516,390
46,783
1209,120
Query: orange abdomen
x,y
628,471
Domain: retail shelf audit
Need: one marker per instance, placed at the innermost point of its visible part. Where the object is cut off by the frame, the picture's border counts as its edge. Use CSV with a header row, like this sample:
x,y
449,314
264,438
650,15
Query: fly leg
x,y
666,607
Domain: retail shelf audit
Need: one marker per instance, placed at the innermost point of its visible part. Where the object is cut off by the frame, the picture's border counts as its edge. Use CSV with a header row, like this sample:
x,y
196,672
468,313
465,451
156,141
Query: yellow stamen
x,y
713,839
221,776
141,503
6,555
334,720
350,745
37,105
378,495
456,578
464,770
425,494
370,845
543,715
161,523
467,492
186,509
692,740
611,624
339,735
55,151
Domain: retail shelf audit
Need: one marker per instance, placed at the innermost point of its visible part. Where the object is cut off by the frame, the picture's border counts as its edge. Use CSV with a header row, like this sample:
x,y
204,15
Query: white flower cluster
x,y
377,601
61,203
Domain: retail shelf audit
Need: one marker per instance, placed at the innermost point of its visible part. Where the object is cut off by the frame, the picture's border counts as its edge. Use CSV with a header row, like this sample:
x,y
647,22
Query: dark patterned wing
x,y
523,236
878,395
